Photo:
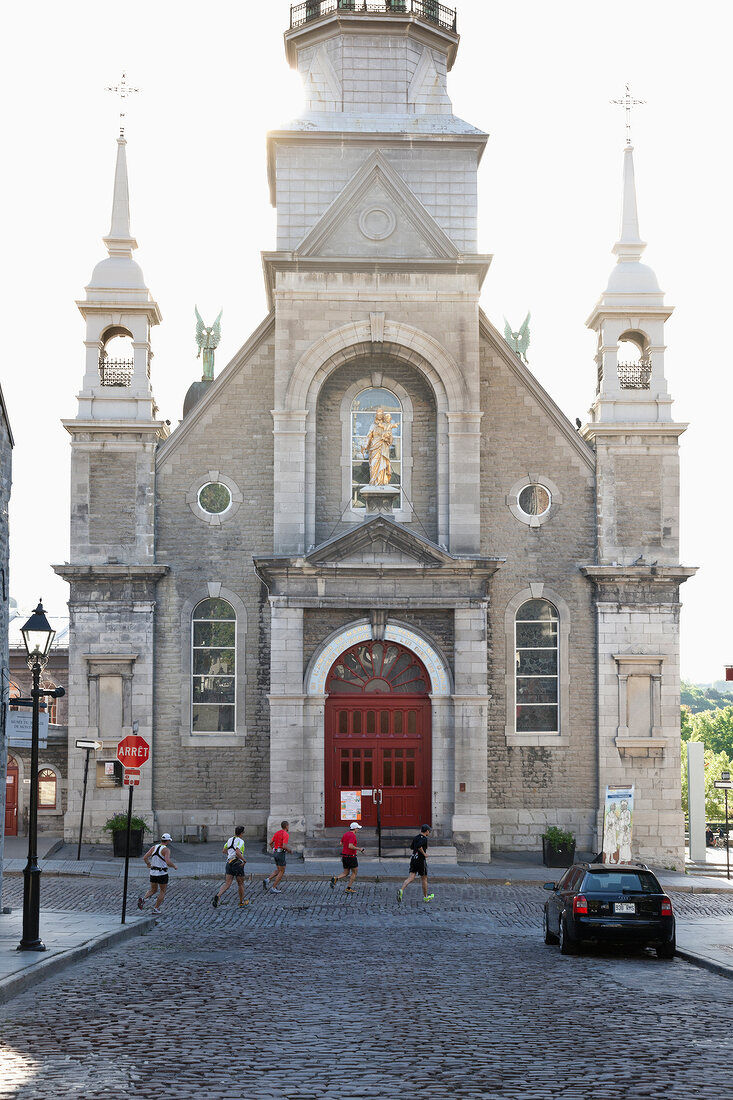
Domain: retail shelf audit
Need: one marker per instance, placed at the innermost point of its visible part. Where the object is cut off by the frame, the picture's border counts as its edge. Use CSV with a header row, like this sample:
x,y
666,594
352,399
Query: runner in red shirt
x,y
348,858
279,845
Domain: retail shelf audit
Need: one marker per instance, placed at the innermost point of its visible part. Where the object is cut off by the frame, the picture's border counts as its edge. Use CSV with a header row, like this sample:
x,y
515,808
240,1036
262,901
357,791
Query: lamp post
x,y
37,636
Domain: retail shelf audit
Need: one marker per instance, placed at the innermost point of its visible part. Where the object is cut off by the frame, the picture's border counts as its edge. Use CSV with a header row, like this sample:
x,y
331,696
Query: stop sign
x,y
133,751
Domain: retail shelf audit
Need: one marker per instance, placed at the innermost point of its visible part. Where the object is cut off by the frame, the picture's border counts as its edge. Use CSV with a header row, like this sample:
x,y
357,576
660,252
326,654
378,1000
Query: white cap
x,y
355,825
166,836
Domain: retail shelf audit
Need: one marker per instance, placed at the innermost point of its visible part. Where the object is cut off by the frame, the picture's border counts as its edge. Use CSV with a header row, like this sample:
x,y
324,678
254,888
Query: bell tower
x,y
637,572
112,571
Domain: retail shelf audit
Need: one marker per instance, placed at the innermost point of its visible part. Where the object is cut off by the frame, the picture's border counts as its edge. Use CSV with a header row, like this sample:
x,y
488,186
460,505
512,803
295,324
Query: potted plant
x,y
558,847
117,826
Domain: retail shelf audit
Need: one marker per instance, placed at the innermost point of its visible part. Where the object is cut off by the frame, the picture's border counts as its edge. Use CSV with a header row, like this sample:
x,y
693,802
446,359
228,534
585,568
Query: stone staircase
x,y
395,845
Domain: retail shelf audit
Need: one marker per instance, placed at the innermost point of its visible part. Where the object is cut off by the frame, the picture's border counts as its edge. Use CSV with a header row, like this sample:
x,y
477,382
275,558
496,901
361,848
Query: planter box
x,y
136,843
558,857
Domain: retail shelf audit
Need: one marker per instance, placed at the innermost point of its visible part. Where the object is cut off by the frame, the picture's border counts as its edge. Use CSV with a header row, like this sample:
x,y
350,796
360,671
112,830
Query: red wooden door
x,y
11,799
378,734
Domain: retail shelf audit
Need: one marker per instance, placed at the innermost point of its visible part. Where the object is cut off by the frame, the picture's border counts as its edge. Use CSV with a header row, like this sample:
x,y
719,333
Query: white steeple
x,y
118,303
631,311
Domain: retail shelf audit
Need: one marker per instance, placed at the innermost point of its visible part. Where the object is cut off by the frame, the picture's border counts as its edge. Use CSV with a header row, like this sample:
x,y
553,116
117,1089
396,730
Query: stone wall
x,y
211,779
533,786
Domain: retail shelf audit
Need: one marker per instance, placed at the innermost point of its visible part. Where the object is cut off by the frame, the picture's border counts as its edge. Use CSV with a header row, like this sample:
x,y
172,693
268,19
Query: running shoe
x,y
274,890
399,896
350,890
428,897
242,904
156,910
140,903
265,884
333,882
215,900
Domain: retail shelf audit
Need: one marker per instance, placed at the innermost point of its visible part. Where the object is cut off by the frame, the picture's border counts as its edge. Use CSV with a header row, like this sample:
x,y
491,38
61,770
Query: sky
x,y
537,76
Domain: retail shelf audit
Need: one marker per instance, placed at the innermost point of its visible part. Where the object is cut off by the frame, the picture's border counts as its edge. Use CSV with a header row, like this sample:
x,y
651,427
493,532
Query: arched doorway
x,y
11,798
378,733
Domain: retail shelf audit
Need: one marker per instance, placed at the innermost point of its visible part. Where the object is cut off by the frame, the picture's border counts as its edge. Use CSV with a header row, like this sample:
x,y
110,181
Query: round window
x,y
534,500
214,498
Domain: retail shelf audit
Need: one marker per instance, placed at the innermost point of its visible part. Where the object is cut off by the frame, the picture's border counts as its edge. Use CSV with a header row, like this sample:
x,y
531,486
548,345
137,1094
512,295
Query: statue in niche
x,y
378,446
207,338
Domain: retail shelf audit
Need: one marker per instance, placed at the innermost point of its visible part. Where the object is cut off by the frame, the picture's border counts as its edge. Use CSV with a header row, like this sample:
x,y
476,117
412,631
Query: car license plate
x,y
624,907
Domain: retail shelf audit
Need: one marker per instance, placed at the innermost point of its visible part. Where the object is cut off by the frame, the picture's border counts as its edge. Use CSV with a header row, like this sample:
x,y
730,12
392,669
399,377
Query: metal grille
x,y
116,372
635,376
430,10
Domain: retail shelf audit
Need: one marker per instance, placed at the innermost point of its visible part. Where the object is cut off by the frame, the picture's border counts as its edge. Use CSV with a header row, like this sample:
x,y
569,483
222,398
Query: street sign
x,y
82,744
133,751
723,784
131,778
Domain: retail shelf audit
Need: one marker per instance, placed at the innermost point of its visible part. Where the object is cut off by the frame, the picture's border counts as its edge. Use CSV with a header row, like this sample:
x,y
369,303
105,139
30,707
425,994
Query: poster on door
x,y
351,805
617,824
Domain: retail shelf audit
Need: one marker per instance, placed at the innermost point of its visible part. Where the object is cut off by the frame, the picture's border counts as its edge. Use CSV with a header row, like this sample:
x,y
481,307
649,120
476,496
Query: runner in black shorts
x,y
234,870
419,864
349,862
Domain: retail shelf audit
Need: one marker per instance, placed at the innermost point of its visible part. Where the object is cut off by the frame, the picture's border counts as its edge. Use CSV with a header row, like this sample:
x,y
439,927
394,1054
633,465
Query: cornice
x,y
633,427
156,428
394,23
106,572
638,574
467,264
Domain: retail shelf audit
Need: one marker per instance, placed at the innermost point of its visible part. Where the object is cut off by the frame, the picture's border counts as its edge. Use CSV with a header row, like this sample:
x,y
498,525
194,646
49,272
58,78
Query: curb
x,y
18,983
704,962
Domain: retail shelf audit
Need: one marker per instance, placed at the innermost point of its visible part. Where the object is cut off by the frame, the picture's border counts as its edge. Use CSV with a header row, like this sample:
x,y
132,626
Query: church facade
x,y
375,556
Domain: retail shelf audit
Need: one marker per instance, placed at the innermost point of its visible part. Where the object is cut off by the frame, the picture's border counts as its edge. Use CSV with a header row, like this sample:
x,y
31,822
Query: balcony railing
x,y
431,10
116,372
635,376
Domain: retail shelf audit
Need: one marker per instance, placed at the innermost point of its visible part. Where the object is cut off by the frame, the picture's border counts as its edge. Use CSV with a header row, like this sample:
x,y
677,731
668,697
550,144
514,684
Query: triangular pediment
x,y
322,86
377,214
380,541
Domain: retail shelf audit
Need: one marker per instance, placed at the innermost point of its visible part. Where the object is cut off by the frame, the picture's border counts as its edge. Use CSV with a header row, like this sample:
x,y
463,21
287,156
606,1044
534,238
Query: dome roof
x,y
118,273
632,278
195,392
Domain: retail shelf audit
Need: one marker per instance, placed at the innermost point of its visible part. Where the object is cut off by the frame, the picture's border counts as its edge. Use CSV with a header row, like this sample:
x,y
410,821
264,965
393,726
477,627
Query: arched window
x,y
47,789
213,667
536,657
364,416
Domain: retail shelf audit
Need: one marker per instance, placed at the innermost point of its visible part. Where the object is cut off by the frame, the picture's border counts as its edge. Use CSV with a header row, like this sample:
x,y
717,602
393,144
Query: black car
x,y
609,903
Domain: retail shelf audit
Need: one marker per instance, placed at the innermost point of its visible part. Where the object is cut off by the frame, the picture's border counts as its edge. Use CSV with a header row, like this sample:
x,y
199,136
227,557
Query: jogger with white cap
x,y
158,859
348,858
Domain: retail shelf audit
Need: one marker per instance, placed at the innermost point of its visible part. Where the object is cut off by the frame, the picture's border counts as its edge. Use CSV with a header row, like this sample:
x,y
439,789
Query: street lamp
x,y
37,636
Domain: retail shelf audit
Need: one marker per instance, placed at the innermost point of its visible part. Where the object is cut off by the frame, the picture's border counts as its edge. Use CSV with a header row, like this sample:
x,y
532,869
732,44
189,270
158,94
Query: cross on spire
x,y
123,90
627,103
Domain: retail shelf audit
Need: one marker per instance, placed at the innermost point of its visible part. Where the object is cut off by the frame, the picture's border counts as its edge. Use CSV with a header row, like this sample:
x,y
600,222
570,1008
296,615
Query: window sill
x,y
537,740
211,740
640,746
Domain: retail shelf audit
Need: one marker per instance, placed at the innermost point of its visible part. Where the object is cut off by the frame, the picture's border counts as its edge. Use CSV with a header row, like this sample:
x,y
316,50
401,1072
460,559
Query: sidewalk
x,y
68,937
207,861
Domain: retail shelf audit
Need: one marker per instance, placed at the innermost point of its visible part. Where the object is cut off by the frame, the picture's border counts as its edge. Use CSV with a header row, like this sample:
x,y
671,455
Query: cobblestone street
x,y
316,994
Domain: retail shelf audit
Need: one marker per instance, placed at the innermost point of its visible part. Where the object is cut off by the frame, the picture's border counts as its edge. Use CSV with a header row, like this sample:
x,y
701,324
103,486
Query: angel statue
x,y
378,445
207,338
518,341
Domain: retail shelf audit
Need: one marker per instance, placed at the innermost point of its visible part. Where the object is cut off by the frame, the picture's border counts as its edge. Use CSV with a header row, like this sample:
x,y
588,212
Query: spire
x,y
119,240
629,247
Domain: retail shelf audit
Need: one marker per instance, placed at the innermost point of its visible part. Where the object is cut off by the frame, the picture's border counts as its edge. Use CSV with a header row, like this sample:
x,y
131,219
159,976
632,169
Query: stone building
x,y
53,739
375,555
6,472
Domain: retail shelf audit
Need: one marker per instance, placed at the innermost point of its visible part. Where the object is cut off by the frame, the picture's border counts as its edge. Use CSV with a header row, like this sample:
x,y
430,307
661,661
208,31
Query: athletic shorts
x,y
418,866
235,869
279,858
349,862
162,880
